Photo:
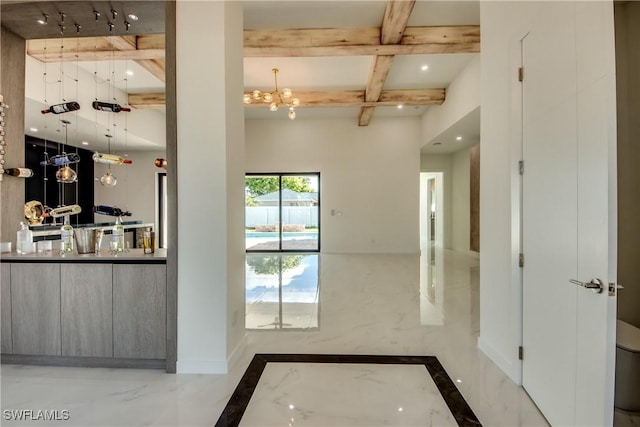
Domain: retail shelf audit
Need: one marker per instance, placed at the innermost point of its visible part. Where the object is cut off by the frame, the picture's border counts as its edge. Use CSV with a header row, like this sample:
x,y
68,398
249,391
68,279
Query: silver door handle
x,y
613,287
595,285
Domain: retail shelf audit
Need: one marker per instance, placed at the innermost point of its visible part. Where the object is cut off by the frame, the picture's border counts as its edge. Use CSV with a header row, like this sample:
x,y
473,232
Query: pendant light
x,y
108,179
65,174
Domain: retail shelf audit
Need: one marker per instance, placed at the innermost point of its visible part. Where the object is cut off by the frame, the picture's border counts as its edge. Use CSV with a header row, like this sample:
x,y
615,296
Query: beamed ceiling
x,y
381,44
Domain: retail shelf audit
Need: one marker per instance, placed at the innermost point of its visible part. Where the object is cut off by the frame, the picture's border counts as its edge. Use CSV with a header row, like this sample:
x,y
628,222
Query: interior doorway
x,y
431,210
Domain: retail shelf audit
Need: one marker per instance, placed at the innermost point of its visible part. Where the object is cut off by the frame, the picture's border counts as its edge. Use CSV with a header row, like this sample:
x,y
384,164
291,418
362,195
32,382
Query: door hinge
x,y
520,353
521,74
521,167
521,260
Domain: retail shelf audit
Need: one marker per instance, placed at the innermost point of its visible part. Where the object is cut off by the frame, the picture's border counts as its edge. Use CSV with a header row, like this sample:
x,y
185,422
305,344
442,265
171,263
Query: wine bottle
x,y
161,163
62,108
66,237
117,237
65,211
61,159
109,159
107,106
110,211
19,172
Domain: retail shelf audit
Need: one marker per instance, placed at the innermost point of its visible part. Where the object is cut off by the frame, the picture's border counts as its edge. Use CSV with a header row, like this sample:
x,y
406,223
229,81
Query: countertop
x,y
133,256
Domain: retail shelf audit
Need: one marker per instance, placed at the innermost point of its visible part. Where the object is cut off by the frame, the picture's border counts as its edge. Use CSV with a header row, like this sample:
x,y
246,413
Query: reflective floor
x,y
325,304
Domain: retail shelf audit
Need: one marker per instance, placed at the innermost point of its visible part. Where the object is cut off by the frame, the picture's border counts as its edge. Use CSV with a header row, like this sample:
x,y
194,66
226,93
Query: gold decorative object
x,y
276,98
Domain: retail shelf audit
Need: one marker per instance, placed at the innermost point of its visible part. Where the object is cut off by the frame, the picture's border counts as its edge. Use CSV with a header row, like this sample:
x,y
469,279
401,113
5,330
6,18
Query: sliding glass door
x,y
282,212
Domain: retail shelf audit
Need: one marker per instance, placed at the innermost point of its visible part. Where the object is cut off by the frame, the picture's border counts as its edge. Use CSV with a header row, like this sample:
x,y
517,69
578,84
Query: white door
x,y
569,213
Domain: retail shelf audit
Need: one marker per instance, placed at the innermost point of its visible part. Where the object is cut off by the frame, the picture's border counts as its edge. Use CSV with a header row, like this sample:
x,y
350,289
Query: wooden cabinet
x,y
35,308
85,313
86,310
5,300
139,311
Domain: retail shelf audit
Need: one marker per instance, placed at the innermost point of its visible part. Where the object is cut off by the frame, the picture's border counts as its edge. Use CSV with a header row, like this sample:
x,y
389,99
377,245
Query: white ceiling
x,y
309,73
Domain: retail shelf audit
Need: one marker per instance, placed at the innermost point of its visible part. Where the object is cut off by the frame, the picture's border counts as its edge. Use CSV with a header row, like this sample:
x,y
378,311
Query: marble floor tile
x,y
338,304
346,395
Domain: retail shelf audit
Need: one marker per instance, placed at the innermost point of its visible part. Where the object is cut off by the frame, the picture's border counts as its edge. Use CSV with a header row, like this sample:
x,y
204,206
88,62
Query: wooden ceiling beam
x,y
360,41
99,55
155,67
122,42
96,48
394,22
377,76
365,116
356,98
147,100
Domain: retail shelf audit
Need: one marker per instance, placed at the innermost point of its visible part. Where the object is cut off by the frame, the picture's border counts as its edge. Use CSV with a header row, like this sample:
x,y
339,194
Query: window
x,y
282,212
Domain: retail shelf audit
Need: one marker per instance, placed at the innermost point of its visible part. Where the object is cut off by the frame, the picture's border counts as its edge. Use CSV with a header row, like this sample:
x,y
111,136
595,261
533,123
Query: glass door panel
x,y
300,212
262,213
282,212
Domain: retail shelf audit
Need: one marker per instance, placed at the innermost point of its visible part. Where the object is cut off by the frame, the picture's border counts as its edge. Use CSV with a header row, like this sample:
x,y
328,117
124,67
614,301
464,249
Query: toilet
x,y
627,395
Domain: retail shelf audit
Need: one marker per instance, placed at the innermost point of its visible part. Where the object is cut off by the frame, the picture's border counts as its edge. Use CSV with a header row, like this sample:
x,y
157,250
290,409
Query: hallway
x,y
362,305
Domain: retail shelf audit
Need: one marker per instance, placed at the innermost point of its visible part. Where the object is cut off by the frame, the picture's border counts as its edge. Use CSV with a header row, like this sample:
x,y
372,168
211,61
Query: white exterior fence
x,y
267,215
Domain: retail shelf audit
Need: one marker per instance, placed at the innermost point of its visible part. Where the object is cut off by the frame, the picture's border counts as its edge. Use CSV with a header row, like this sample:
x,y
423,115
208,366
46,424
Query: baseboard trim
x,y
82,362
513,370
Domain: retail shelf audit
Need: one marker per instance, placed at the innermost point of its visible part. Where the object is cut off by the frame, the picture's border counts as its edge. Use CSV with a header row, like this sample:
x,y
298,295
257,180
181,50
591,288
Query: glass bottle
x,y
24,240
108,106
66,237
19,172
61,160
109,159
62,108
117,237
110,211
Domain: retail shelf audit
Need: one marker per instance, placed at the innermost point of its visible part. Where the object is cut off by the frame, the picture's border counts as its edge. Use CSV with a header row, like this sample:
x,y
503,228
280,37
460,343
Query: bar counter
x,y
132,256
94,310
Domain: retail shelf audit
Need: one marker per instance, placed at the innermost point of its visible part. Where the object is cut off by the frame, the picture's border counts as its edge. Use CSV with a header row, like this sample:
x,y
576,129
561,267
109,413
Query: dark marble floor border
x,y
239,400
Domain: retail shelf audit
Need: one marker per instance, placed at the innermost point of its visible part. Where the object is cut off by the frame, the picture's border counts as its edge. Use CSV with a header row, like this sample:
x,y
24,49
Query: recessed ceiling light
x,y
458,138
400,106
85,143
424,67
133,16
43,20
129,73
33,129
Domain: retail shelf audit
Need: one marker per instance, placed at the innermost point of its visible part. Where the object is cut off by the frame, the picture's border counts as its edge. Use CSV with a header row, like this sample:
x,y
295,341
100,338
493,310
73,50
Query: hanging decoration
x,y
108,179
65,174
276,98
161,163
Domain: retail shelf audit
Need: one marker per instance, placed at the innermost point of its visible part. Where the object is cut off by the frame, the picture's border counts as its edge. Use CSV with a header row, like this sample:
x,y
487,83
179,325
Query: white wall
x,y
210,174
460,200
367,172
145,127
504,24
463,96
136,187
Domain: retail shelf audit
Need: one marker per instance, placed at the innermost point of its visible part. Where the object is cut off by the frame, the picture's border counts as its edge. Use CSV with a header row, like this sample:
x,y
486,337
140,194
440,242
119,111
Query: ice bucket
x,y
85,240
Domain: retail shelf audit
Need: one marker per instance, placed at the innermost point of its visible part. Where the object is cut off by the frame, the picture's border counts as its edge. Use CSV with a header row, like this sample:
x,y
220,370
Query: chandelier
x,y
276,98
